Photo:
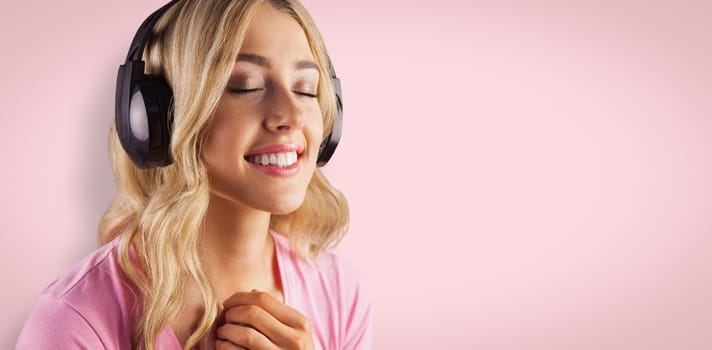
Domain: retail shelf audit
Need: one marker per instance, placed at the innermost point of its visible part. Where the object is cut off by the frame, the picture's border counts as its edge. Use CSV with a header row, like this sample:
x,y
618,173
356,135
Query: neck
x,y
239,251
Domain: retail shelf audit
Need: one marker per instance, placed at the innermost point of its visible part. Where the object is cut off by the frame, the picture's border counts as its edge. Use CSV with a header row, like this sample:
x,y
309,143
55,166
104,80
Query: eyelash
x,y
242,91
249,91
306,94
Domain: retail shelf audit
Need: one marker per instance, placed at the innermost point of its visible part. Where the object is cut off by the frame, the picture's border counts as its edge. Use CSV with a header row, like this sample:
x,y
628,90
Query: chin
x,y
270,202
286,207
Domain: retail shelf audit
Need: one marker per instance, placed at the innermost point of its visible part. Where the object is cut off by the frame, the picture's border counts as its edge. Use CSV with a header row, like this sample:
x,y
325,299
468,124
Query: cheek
x,y
315,127
216,142
223,142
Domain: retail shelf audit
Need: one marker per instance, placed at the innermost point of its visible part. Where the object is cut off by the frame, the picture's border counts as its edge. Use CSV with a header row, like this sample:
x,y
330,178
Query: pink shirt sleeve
x,y
53,324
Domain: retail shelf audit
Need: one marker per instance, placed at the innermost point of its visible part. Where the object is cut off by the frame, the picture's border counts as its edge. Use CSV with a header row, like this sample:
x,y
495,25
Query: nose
x,y
284,114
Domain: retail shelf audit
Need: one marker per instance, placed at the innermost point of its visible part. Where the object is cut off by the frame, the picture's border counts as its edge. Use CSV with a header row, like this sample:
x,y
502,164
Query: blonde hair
x,y
194,46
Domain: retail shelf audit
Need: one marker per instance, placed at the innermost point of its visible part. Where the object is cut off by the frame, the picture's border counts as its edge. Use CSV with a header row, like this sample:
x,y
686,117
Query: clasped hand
x,y
256,320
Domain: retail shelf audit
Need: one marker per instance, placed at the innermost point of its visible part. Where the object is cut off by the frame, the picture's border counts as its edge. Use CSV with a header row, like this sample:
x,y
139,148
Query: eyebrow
x,y
264,62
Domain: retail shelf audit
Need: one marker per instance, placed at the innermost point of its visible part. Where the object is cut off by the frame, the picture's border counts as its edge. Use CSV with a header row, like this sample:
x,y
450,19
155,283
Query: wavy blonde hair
x,y
194,46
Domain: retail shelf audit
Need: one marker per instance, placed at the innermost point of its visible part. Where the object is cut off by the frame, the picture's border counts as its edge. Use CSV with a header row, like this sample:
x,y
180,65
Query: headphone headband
x,y
143,34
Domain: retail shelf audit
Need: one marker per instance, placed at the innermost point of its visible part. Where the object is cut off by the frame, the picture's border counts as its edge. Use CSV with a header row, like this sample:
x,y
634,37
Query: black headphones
x,y
144,115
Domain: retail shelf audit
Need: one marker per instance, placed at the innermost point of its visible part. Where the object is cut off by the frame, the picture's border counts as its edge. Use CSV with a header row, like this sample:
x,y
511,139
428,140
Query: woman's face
x,y
262,144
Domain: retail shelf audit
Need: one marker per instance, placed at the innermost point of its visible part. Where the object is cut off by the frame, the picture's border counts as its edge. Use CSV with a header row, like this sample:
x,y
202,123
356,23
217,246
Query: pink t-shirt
x,y
93,305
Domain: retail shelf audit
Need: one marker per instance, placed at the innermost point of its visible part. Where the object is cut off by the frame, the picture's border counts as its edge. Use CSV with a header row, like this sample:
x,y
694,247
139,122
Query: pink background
x,y
522,174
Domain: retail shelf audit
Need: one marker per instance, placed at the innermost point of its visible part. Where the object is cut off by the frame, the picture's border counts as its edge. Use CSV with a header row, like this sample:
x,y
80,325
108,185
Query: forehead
x,y
276,35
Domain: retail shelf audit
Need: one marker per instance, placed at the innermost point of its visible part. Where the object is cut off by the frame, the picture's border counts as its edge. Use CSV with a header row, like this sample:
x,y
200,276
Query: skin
x,y
266,102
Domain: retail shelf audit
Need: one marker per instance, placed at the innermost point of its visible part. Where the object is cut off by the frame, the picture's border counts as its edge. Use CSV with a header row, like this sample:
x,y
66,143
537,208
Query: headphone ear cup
x,y
150,110
328,146
144,118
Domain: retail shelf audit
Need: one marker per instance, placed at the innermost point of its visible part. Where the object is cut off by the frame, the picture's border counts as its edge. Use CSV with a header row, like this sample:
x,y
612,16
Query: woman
x,y
224,246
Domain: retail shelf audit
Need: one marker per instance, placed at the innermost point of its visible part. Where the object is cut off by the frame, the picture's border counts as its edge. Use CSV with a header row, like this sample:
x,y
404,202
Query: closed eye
x,y
306,94
244,91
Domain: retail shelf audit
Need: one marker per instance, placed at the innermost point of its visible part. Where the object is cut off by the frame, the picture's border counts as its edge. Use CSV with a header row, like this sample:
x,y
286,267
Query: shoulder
x,y
327,270
87,307
332,293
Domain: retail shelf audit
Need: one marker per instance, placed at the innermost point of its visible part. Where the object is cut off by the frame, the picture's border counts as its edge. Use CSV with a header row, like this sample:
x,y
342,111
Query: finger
x,y
279,310
256,317
241,336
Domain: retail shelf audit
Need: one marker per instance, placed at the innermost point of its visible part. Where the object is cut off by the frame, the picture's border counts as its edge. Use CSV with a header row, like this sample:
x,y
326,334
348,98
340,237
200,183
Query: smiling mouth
x,y
281,159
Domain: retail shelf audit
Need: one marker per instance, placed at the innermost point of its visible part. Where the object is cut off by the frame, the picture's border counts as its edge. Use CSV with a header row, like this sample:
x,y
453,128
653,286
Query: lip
x,y
279,148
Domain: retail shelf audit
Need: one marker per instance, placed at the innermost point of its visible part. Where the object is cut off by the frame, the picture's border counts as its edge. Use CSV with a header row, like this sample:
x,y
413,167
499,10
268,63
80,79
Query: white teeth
x,y
282,160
